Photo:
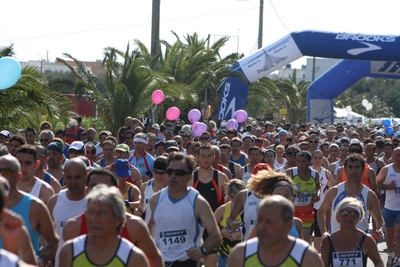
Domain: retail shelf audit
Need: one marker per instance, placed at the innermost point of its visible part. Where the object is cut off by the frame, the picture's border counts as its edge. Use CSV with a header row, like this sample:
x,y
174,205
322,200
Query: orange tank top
x,y
364,177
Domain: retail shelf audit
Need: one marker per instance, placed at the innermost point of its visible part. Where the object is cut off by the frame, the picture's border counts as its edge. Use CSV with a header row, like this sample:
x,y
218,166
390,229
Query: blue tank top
x,y
293,232
240,161
232,169
102,162
47,177
23,208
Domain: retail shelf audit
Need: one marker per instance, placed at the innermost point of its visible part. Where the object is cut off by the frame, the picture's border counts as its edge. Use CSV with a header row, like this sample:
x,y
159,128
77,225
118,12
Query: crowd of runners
x,y
267,194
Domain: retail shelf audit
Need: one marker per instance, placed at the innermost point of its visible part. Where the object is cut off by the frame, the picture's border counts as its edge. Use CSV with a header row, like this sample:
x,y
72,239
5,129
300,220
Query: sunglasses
x,y
236,146
177,172
7,172
129,138
159,173
355,150
3,137
313,141
225,153
203,138
353,214
44,140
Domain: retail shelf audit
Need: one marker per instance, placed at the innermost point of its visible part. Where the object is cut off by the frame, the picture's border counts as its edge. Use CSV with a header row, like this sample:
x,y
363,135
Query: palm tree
x,y
29,100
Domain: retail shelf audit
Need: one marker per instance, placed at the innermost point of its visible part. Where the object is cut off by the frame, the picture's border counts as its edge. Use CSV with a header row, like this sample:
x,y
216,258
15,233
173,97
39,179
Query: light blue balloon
x,y
386,123
10,72
389,131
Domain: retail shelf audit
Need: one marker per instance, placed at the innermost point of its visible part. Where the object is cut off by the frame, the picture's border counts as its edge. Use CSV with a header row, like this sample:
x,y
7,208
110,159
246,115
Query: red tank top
x,y
83,229
364,178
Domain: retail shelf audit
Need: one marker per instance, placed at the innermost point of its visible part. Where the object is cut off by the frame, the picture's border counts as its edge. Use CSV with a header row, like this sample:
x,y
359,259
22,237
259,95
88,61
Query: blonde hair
x,y
280,147
263,183
350,202
234,186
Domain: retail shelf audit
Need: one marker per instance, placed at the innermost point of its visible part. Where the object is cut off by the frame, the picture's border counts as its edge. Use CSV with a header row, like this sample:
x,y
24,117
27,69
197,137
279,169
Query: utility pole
x,y
260,24
155,28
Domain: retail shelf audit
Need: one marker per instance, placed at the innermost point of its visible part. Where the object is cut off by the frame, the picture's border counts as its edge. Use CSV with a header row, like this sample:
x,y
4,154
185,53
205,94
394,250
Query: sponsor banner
x,y
233,97
270,58
348,45
387,68
321,111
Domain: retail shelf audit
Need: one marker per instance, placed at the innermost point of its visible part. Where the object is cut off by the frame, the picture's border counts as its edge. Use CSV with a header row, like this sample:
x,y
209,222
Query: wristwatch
x,y
203,251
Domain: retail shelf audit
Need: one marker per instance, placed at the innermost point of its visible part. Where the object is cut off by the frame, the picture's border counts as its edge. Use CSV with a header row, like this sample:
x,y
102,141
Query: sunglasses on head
x,y
7,172
353,214
177,172
355,150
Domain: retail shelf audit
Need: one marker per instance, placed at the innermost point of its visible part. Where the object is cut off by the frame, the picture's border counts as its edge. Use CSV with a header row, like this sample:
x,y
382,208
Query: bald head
x,y
10,162
42,150
75,163
286,207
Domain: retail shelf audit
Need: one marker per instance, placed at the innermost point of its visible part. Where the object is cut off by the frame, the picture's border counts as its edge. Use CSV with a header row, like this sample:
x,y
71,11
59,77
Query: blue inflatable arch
x,y
336,80
353,47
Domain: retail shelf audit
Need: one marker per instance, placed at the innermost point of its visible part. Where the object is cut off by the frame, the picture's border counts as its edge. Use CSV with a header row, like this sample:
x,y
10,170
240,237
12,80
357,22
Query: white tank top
x,y
64,210
341,194
177,228
324,185
36,188
277,164
148,193
8,259
249,213
337,166
392,201
246,174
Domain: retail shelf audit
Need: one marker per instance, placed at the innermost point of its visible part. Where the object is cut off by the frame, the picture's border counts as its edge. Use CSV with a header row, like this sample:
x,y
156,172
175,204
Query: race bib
x,y
348,259
302,198
397,191
172,240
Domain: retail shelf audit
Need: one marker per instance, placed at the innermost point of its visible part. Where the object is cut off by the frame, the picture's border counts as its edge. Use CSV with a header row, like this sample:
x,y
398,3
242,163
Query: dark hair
x,y
30,129
256,148
27,149
103,171
130,132
109,142
386,143
355,157
90,144
190,161
232,131
61,132
18,138
206,146
226,146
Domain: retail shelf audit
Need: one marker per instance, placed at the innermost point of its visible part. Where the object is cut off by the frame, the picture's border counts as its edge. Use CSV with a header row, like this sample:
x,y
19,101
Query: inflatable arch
x,y
336,80
354,47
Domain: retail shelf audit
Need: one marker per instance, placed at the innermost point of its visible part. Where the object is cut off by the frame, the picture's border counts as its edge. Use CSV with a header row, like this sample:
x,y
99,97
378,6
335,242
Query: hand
x,y
194,254
234,236
380,233
145,178
234,226
10,227
315,198
225,233
392,185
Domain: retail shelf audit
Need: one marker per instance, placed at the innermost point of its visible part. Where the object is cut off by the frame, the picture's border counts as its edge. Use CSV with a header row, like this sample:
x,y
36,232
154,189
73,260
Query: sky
x,y
45,29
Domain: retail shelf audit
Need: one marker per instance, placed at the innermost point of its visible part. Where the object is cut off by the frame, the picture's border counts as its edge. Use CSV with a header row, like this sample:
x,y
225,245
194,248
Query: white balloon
x,y
348,109
369,106
365,102
349,116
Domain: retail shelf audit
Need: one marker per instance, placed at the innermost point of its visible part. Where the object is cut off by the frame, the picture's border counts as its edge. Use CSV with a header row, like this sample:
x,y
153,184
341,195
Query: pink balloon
x,y
240,115
194,124
173,113
232,123
199,128
157,97
194,115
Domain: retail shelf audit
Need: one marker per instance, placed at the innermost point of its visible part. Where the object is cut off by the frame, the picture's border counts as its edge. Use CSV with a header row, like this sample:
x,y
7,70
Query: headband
x,y
140,140
283,183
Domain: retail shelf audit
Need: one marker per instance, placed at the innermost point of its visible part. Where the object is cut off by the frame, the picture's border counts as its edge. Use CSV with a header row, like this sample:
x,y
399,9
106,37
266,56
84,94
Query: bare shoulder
x,y
311,258
137,258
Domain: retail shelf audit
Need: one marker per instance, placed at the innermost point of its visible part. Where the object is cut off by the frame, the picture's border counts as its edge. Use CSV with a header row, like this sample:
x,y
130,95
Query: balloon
x,y
348,109
194,115
199,128
389,130
232,123
10,71
173,113
369,106
240,115
349,116
386,123
364,102
157,97
194,124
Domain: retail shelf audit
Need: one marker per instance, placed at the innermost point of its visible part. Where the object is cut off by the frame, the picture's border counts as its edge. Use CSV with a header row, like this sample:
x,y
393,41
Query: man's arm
x,y
329,176
25,248
137,258
206,217
339,175
222,181
71,228
136,176
55,184
136,196
237,208
380,179
311,258
331,168
236,257
140,236
325,206
65,256
46,192
375,210
51,204
151,224
239,173
227,172
372,181
41,215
